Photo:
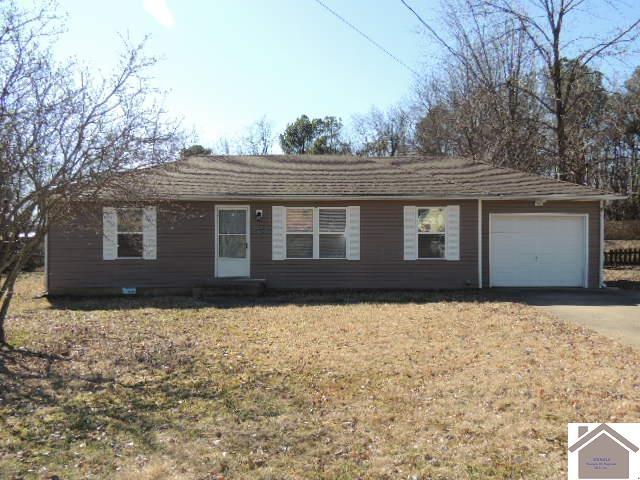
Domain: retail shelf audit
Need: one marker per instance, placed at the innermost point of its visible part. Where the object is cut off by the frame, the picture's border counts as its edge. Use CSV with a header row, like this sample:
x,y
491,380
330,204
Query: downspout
x,y
602,284
479,243
46,257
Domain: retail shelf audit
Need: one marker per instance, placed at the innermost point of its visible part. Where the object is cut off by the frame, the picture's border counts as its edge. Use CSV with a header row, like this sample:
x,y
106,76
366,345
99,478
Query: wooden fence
x,y
622,256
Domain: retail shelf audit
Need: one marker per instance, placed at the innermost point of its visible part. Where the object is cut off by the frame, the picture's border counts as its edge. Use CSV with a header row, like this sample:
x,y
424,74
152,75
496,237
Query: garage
x,y
538,250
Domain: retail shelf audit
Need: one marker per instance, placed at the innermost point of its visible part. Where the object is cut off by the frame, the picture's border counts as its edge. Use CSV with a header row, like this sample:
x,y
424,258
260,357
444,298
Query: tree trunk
x,y
6,293
4,309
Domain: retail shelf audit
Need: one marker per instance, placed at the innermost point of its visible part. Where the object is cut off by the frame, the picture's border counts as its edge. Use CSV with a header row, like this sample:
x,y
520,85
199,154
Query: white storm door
x,y
538,250
232,241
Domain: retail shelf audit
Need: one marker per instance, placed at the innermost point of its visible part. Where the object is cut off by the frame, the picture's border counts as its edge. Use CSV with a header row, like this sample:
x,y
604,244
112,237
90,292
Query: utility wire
x,y
428,27
367,37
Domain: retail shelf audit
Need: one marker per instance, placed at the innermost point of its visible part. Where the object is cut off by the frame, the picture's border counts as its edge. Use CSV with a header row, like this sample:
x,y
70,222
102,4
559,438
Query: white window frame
x,y
312,233
418,232
343,233
118,232
316,233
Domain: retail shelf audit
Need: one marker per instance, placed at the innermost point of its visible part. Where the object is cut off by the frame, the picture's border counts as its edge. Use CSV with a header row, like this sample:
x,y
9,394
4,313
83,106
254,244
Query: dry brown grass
x,y
623,277
317,386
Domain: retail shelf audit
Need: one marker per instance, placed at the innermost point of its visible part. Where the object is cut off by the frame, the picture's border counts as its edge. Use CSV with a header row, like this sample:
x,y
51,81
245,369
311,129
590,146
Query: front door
x,y
232,241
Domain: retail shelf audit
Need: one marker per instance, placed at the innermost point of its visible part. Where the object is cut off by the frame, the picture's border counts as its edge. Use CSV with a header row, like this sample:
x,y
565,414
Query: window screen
x,y
299,232
130,234
431,232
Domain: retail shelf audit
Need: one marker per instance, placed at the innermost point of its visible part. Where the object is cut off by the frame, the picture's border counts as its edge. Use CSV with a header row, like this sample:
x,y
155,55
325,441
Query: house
x,y
315,222
602,453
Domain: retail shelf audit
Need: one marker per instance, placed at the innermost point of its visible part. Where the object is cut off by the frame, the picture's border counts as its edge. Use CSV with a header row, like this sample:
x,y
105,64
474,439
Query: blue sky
x,y
226,63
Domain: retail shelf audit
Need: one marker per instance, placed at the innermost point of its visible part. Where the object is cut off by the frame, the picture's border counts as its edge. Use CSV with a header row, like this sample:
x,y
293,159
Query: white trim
x,y
109,233
150,233
316,198
353,233
601,282
480,243
559,196
248,234
46,260
316,233
278,232
585,216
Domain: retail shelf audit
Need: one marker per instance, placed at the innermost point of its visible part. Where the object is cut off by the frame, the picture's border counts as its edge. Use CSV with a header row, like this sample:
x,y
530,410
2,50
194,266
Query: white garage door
x,y
538,251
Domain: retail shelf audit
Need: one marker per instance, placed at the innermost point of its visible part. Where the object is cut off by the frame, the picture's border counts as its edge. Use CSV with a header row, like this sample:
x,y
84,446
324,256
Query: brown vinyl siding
x,y
185,252
185,236
185,245
381,263
591,208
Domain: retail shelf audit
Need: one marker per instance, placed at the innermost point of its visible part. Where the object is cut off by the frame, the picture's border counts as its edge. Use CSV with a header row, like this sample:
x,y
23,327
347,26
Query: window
x,y
232,235
431,232
299,232
316,232
332,229
130,234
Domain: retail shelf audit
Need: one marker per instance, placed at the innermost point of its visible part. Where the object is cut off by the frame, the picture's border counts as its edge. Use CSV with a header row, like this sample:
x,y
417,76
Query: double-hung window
x,y
130,232
300,232
316,232
332,226
431,224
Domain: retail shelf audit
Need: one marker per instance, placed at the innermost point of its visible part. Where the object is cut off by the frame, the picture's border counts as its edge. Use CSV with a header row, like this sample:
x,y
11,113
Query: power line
x,y
367,37
428,27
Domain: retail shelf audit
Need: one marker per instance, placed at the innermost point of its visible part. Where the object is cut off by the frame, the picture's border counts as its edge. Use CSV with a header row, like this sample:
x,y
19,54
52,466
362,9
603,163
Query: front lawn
x,y
316,386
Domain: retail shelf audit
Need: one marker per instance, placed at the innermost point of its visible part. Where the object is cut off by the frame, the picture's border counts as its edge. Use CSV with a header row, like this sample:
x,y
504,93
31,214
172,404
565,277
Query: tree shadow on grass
x,y
270,298
274,298
44,399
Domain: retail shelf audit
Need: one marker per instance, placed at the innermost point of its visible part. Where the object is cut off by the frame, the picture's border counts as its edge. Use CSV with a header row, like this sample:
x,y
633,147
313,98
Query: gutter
x,y
325,198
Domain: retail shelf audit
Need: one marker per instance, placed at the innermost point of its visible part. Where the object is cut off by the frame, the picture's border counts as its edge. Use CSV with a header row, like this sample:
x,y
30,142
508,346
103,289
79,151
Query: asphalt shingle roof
x,y
333,176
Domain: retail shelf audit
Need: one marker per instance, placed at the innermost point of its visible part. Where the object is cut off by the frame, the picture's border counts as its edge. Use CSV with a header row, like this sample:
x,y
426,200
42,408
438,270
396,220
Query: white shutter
x,y
109,233
353,233
278,233
452,247
149,235
410,233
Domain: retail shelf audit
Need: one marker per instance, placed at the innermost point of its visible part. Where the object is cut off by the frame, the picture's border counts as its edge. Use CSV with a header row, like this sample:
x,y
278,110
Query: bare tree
x,y
66,137
383,133
543,22
473,105
258,138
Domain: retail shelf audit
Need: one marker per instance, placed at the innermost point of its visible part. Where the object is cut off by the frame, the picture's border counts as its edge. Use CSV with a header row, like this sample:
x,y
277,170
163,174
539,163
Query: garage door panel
x,y
507,225
537,250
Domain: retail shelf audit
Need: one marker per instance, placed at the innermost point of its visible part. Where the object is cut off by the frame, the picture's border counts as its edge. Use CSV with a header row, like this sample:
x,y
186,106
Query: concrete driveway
x,y
612,312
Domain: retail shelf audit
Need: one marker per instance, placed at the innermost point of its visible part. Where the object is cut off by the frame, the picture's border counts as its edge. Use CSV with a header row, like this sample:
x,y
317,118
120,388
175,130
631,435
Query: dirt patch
x,y
319,386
